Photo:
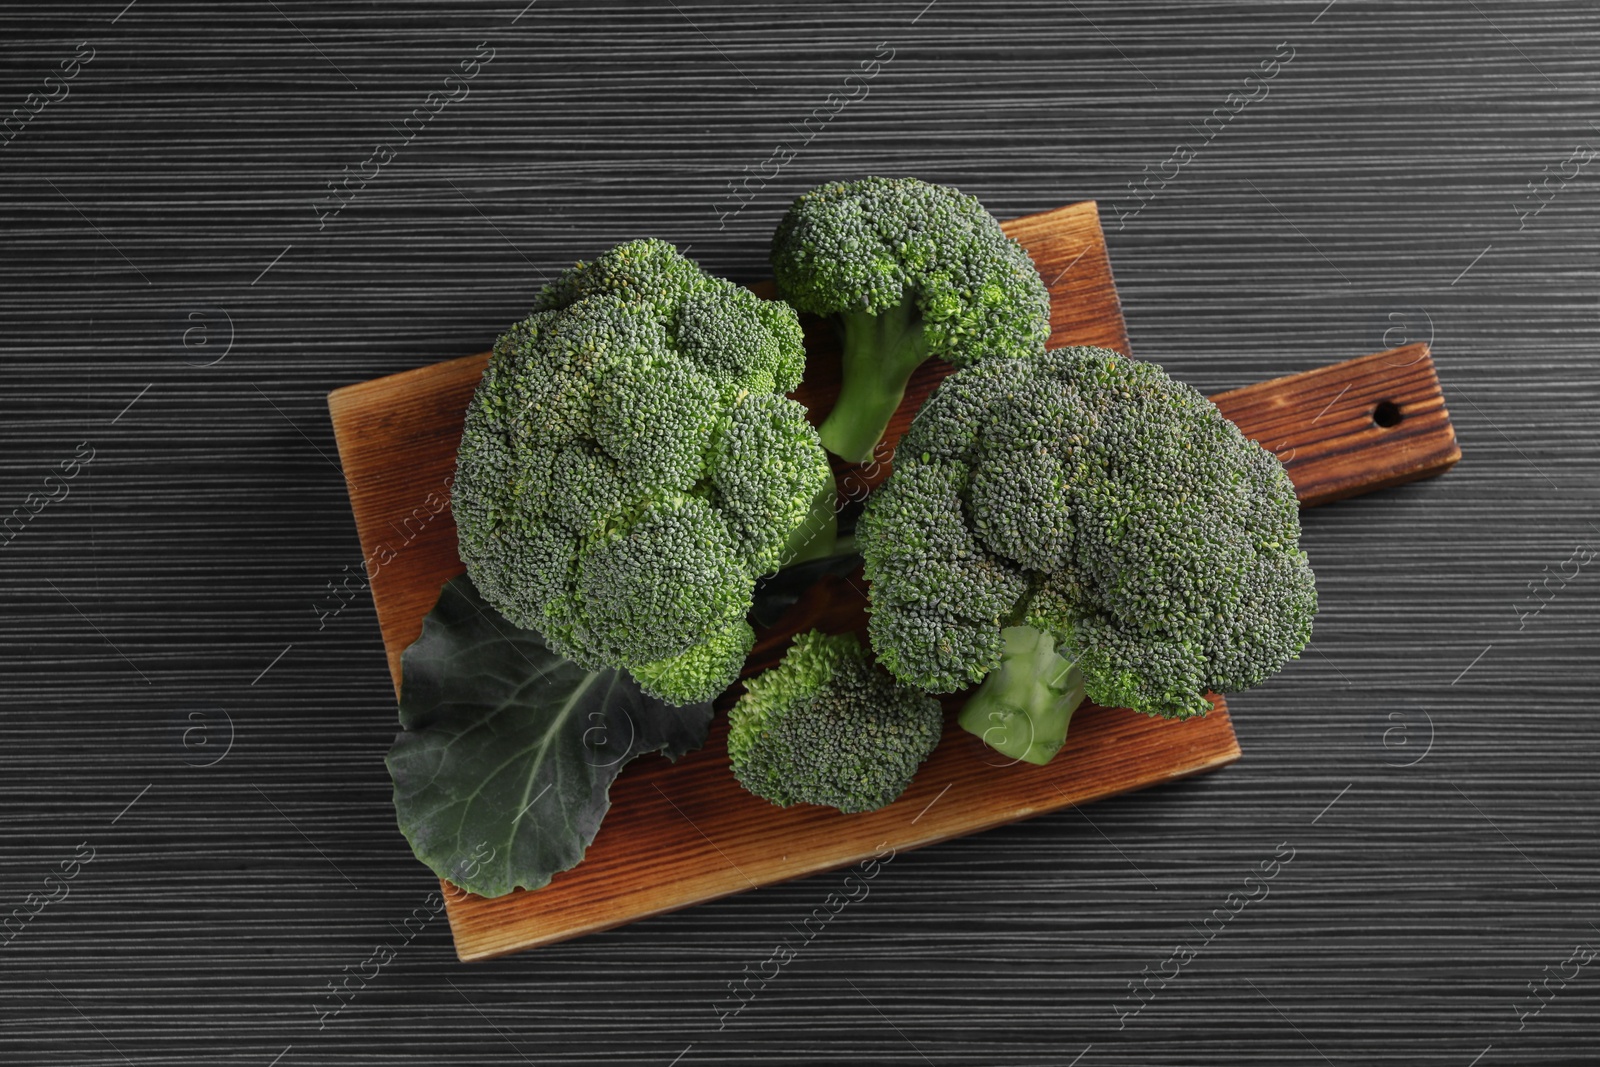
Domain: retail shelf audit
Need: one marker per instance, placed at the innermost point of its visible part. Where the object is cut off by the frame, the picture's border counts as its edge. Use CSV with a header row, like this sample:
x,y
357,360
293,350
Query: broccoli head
x,y
827,727
629,467
911,271
1112,511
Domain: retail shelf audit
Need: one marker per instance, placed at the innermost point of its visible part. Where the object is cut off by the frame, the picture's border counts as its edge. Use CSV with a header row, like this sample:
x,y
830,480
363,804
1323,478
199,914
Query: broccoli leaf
x,y
503,769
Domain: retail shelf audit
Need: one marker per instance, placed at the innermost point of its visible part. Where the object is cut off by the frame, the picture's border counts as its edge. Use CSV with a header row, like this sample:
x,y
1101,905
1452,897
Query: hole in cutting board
x,y
1386,414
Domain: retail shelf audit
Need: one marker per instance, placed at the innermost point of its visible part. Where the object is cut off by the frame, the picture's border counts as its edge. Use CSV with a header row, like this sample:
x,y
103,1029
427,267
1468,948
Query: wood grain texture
x,y
686,833
1368,200
397,439
1353,427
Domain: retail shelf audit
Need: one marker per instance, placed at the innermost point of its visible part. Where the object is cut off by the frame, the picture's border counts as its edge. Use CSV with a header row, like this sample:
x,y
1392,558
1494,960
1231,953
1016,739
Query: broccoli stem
x,y
822,548
1024,706
880,353
818,533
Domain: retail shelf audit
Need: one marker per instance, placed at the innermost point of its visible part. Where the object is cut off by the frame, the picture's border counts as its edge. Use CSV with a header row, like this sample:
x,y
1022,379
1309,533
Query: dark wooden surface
x,y
1370,197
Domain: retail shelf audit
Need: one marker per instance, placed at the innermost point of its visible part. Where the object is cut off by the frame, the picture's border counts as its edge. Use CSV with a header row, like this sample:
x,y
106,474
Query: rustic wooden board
x,y
679,834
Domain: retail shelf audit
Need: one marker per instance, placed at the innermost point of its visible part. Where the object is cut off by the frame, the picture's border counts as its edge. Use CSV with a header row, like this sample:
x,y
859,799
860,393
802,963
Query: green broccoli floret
x,y
911,271
827,727
1087,525
629,467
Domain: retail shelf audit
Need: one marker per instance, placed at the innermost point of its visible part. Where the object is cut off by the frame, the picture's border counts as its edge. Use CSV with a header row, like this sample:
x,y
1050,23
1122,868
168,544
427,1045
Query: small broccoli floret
x,y
660,585
742,341
1138,548
731,332
705,668
629,468
650,272
910,271
760,454
827,727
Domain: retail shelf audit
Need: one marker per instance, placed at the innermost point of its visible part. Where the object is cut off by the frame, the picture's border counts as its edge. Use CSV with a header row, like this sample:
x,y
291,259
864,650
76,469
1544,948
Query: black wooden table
x,y
213,214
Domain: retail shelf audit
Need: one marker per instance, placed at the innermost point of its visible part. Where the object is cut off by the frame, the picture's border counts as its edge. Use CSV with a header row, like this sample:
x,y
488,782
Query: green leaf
x,y
503,769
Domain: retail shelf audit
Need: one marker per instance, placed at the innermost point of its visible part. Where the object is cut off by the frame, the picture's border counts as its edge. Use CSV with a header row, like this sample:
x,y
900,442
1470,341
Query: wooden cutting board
x,y
683,833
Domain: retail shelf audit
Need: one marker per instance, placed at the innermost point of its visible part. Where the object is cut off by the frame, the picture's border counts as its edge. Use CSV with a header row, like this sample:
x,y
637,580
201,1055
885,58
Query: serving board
x,y
682,833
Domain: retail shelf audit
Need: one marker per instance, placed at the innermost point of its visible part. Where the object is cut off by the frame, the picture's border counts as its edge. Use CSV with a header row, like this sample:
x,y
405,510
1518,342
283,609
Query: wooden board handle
x,y
1340,430
1352,427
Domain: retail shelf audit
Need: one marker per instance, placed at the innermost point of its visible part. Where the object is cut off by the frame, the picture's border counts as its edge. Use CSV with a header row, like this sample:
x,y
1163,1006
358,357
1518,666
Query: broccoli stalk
x,y
817,536
880,354
1024,706
909,271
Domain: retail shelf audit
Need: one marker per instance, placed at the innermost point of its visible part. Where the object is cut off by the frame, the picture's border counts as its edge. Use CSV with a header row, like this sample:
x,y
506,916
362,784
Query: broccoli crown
x,y
827,727
1092,497
629,467
875,244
